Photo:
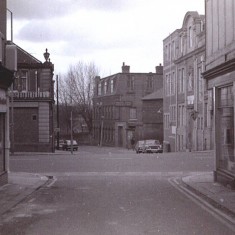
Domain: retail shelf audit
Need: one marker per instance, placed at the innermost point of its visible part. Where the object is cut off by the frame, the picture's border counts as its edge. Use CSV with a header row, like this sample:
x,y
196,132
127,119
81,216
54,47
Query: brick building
x,y
6,79
187,125
118,107
152,110
33,99
220,77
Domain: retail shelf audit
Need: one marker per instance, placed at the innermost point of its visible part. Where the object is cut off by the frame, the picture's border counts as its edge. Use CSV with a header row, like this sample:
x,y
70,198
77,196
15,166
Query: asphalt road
x,y
111,192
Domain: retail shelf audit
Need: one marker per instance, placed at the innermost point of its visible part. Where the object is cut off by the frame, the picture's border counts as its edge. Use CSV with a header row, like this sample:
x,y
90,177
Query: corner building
x,y
187,127
118,102
220,78
6,79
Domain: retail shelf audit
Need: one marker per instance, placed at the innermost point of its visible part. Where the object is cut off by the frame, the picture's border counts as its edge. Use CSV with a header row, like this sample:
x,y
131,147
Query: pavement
x,y
19,187
22,185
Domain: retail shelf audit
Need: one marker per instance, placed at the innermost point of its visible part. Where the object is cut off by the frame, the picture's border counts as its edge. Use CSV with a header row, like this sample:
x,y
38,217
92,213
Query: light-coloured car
x,y
152,146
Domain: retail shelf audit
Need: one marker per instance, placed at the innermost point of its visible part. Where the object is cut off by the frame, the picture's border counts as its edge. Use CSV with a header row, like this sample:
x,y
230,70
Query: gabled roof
x,y
155,95
24,57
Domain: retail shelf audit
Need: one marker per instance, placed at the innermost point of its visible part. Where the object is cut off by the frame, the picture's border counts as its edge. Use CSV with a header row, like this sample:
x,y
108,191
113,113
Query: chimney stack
x,y
125,68
159,69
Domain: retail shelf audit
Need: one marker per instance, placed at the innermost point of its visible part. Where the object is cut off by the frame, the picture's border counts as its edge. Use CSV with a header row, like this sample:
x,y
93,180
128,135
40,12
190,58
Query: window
x,y
105,87
173,49
181,112
166,52
190,36
133,113
24,80
111,86
166,121
169,52
34,117
172,113
99,89
202,26
150,83
181,44
200,85
130,83
173,84
181,80
16,84
190,82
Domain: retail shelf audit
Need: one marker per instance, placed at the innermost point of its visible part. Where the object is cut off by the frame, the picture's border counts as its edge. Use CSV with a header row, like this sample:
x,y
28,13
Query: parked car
x,y
67,145
61,143
139,146
152,146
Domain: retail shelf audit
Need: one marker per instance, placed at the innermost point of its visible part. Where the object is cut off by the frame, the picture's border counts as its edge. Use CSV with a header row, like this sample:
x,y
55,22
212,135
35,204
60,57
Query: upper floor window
x,y
181,44
181,80
24,80
202,26
105,87
111,86
133,113
21,81
190,82
173,49
99,89
190,36
150,83
173,83
166,52
200,85
131,83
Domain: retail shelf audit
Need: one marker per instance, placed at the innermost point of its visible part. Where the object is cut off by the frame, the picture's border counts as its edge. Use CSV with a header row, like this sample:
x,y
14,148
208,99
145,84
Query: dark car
x,y
68,145
139,146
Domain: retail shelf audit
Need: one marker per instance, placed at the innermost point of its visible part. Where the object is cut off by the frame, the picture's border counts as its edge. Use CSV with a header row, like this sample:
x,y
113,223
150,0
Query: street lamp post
x,y
71,132
57,113
101,131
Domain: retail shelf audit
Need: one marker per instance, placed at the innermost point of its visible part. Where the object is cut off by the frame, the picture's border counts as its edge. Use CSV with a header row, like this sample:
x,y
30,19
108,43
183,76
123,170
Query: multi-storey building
x,y
118,107
6,79
31,108
220,77
185,100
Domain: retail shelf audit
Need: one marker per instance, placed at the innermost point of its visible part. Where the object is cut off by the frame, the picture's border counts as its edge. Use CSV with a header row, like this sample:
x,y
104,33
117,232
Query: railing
x,y
32,95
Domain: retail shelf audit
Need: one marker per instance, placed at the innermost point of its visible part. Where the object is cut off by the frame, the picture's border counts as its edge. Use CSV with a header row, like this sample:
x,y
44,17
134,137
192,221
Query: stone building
x,y
118,107
185,98
31,113
6,79
220,78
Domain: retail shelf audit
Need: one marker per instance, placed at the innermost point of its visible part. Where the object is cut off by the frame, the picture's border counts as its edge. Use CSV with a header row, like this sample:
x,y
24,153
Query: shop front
x,y
221,84
224,134
6,79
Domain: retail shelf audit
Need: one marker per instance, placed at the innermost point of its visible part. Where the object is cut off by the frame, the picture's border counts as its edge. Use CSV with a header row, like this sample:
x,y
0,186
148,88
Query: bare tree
x,y
78,88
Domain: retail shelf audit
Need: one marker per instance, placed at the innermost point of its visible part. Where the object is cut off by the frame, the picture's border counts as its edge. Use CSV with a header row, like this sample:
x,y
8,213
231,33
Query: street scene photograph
x,y
117,117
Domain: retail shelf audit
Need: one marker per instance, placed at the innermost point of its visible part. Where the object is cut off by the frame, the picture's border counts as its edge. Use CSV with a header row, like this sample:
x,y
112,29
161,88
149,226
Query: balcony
x,y
32,95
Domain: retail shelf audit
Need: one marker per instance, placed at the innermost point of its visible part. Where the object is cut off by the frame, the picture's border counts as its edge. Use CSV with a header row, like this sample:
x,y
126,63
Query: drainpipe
x,y
7,136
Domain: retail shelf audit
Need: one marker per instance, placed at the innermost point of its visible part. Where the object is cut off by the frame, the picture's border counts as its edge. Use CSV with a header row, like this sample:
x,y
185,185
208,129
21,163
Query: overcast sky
x,y
106,32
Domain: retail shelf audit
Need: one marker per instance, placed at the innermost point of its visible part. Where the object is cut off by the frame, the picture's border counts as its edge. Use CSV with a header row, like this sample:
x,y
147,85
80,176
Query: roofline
x,y
18,47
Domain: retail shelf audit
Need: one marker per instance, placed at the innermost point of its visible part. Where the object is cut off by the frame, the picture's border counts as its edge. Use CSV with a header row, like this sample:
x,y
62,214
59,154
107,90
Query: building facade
x,y
6,79
118,107
186,125
220,78
32,103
